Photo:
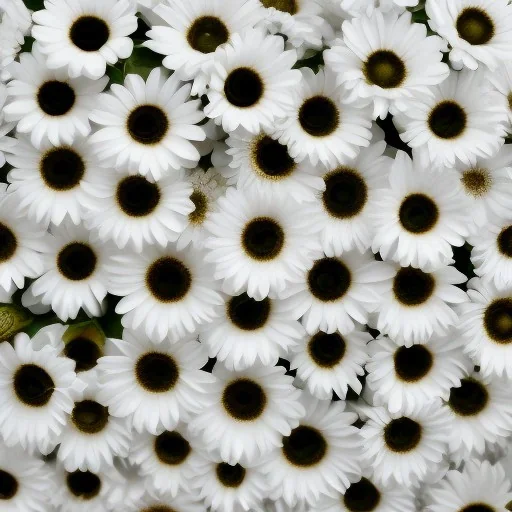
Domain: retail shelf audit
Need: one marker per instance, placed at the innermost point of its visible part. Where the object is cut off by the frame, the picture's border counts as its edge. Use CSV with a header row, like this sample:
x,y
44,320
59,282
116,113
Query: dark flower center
x,y
418,213
84,352
89,416
475,26
263,238
8,485
362,496
8,243
326,350
243,87
385,69
271,158
230,476
201,207
62,168
137,196
156,372
329,279
89,33
32,385
498,320
469,399
402,435
289,6
244,399
76,261
206,33
505,241
158,508
147,124
478,507
168,279
412,286
412,363
83,484
171,448
305,446
345,193
56,98
476,182
447,120
319,116
247,313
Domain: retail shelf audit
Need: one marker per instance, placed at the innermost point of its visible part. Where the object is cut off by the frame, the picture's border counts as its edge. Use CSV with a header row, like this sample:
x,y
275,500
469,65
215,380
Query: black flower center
x,y
326,350
62,168
319,116
76,261
418,213
305,446
505,241
89,416
475,26
402,435
206,33
289,6
271,158
32,385
137,196
244,399
476,182
263,238
329,279
8,485
385,69
83,484
8,243
201,207
230,476
168,279
156,372
147,124
412,286
447,120
243,87
498,320
412,363
89,33
56,98
158,508
171,448
478,507
469,399
362,496
84,352
345,193
247,313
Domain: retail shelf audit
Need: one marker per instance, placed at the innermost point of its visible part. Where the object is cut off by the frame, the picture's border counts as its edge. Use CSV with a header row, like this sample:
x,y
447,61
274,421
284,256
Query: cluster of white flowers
x,y
255,255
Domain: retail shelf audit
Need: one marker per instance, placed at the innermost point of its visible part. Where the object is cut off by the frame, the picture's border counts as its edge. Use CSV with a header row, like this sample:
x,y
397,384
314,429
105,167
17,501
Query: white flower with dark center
x,y
405,449
251,331
6,142
166,291
321,127
478,31
262,164
148,127
134,212
157,502
74,276
320,457
420,216
377,67
47,104
154,385
406,378
356,8
251,411
459,122
501,80
251,82
329,363
335,292
83,37
258,244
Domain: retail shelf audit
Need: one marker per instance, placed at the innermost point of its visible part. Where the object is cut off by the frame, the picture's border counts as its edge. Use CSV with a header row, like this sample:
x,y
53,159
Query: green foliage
x,y
34,5
142,61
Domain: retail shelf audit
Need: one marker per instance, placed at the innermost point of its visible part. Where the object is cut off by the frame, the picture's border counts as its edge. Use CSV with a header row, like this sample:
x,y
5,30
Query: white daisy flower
x,y
321,127
335,292
6,142
321,456
251,82
250,331
83,37
262,164
478,31
259,245
167,292
250,413
135,212
460,121
154,385
406,378
479,487
329,363
377,67
420,216
37,393
75,274
501,80
148,126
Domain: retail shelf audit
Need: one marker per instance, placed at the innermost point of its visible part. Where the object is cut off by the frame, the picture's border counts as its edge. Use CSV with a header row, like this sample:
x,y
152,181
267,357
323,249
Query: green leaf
x,y
142,61
13,319
110,322
89,330
27,44
116,75
34,5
